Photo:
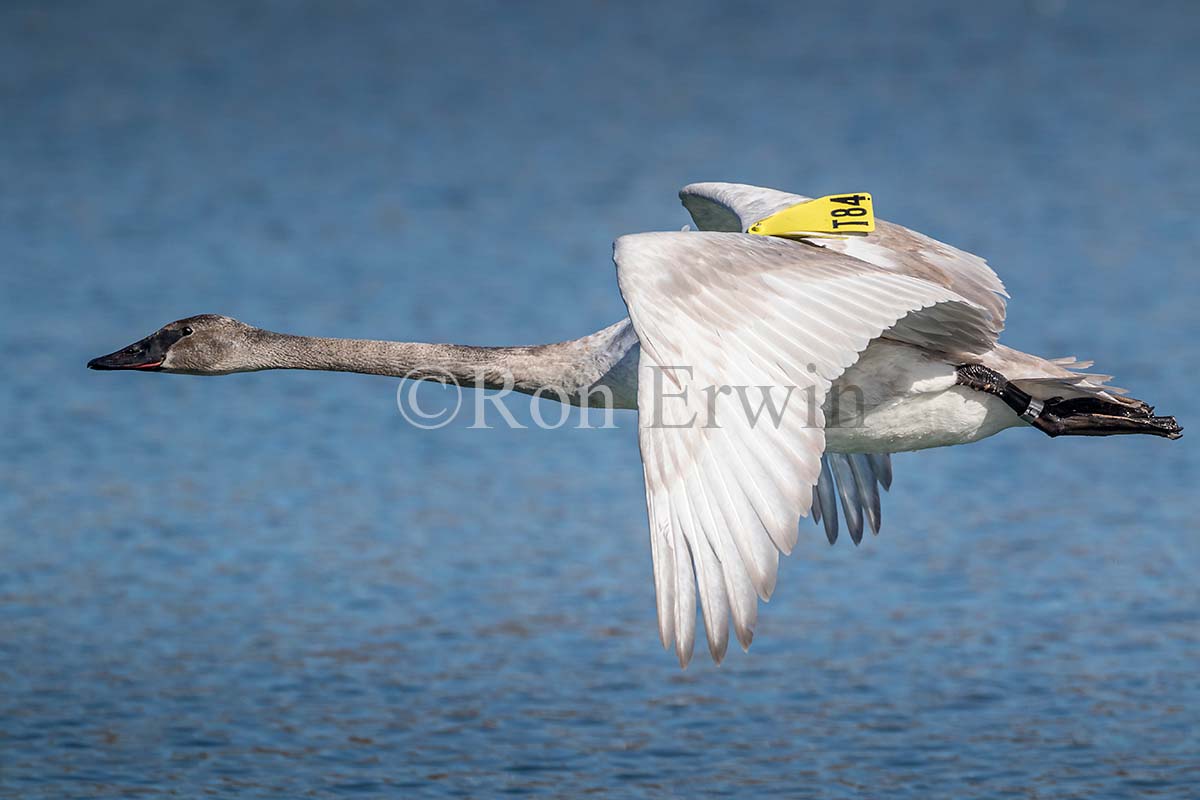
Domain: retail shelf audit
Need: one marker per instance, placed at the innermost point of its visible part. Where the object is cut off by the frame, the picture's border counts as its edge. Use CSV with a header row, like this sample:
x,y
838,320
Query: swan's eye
x,y
187,330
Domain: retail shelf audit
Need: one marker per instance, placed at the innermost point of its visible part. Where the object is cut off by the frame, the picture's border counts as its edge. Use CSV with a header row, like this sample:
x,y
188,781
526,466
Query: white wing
x,y
725,493
735,207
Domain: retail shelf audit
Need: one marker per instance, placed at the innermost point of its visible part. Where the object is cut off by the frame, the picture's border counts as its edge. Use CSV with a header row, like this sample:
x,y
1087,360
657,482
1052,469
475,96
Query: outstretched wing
x,y
735,207
741,337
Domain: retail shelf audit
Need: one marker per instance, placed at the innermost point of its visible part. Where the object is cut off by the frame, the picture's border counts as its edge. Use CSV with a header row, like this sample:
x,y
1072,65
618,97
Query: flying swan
x,y
848,350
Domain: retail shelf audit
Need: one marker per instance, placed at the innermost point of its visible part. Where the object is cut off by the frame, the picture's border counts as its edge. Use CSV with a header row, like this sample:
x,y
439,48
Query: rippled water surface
x,y
270,585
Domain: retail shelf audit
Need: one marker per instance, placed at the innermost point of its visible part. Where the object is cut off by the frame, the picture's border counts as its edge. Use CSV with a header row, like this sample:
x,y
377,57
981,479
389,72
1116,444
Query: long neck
x,y
565,366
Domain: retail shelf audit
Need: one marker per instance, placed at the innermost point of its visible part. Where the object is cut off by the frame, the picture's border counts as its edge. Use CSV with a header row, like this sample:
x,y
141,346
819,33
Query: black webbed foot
x,y
1093,416
1076,416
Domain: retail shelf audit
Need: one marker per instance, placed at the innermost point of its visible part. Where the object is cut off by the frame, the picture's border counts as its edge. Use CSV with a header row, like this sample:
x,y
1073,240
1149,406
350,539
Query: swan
x,y
872,345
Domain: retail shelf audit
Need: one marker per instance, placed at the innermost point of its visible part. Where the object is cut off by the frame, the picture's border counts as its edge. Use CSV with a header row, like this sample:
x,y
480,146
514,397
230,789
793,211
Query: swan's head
x,y
207,344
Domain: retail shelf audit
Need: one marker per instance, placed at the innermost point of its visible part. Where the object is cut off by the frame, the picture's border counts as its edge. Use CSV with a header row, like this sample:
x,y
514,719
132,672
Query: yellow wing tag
x,y
832,217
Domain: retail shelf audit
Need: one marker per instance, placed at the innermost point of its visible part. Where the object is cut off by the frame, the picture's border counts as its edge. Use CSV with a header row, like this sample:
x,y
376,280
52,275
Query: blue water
x,y
270,585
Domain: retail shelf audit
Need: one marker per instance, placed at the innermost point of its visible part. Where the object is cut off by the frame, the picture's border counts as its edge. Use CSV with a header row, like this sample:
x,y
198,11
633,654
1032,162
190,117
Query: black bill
x,y
147,354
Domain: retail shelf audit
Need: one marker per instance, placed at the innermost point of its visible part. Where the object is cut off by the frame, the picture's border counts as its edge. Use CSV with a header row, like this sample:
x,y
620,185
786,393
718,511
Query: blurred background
x,y
271,585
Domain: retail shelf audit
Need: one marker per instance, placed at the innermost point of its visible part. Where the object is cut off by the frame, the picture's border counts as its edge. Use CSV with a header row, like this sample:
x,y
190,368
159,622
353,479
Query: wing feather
x,y
852,502
881,465
870,471
868,492
735,207
826,491
728,473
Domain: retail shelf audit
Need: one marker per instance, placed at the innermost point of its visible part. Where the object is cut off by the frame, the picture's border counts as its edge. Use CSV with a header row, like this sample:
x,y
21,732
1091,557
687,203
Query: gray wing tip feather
x,y
855,480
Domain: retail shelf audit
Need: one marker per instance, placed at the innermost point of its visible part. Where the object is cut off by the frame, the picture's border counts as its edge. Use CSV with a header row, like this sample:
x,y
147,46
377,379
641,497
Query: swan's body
x,y
870,346
911,401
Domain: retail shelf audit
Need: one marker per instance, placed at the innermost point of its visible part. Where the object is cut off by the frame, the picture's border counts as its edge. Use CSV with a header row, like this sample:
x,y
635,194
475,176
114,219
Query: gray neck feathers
x,y
565,367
